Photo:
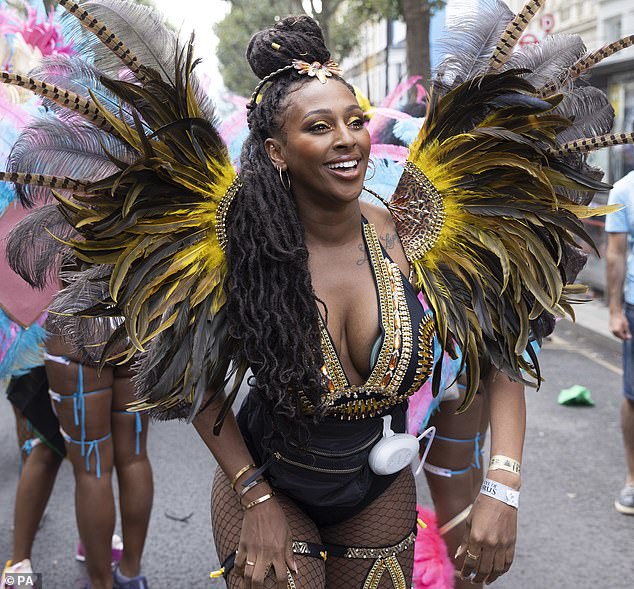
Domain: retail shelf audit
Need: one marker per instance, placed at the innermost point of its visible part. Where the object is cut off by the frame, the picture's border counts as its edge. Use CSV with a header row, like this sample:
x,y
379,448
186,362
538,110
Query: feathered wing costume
x,y
489,207
139,172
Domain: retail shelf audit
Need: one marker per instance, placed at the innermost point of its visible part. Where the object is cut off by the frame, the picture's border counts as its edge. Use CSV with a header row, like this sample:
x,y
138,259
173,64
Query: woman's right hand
x,y
265,541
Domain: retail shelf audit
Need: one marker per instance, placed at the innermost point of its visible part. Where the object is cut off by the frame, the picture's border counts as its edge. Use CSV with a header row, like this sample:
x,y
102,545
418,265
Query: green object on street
x,y
576,395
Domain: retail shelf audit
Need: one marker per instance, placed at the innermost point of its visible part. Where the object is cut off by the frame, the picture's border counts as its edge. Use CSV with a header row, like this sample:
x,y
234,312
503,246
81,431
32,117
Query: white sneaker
x,y
625,501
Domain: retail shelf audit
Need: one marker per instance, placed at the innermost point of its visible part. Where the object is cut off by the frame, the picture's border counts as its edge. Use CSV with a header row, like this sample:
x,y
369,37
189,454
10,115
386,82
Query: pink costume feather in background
x,y
433,568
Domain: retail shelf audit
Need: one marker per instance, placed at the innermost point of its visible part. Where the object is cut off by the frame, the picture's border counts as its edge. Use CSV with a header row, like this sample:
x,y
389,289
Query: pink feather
x,y
393,98
239,101
390,102
421,94
234,125
433,568
45,36
389,113
18,114
387,151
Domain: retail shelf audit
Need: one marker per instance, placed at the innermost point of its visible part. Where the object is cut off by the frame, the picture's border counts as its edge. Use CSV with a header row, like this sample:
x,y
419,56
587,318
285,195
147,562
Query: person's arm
x,y
265,538
492,525
616,258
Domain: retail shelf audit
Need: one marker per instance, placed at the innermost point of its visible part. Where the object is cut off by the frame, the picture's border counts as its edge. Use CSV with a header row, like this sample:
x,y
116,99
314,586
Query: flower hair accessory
x,y
321,71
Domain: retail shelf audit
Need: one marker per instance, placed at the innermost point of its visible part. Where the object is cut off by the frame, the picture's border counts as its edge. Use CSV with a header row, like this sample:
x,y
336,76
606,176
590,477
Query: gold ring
x,y
472,556
250,563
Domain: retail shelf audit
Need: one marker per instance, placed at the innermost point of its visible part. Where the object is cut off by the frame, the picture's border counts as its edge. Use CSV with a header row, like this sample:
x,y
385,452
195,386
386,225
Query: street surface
x,y
570,536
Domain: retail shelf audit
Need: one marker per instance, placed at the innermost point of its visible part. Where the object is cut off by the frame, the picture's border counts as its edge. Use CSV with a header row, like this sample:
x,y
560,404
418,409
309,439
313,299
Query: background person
x,y
619,227
100,435
42,450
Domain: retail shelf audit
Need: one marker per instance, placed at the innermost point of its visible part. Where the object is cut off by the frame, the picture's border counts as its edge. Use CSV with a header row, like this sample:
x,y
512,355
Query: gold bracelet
x,y
235,478
501,462
259,500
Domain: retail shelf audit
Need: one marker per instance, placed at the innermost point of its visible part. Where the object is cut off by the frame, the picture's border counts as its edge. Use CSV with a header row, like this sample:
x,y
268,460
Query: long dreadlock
x,y
271,303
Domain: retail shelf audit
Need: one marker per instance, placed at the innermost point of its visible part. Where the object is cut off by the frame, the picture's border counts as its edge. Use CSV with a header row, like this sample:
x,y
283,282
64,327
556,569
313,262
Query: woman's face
x,y
323,143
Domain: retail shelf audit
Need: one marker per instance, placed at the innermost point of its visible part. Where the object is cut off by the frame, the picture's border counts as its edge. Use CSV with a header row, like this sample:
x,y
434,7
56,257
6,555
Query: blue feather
x,y
20,349
7,196
235,146
407,130
384,181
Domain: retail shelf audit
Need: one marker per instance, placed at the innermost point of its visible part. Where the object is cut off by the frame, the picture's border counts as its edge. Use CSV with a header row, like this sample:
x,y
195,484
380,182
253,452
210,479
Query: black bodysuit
x,y
401,361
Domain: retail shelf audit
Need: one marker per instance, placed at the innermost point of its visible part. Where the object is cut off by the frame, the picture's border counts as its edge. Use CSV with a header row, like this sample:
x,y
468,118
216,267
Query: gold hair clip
x,y
276,46
321,71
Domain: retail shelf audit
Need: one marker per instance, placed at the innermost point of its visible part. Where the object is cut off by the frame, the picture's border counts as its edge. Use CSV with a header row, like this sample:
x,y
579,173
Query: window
x,y
612,29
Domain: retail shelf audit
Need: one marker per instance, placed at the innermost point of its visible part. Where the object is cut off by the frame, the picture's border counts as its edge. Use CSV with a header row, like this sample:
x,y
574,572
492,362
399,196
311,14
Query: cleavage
x,y
354,322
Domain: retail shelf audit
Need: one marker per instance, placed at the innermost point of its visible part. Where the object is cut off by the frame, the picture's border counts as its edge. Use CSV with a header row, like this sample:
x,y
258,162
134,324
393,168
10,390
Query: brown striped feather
x,y
105,35
57,182
593,143
513,32
587,62
595,57
69,100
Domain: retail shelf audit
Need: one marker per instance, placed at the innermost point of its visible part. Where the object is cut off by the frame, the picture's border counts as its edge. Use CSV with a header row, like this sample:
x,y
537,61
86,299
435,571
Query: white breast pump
x,y
393,452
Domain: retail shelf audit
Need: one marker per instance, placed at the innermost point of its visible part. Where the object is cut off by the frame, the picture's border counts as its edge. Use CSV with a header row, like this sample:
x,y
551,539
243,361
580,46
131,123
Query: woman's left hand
x,y
488,545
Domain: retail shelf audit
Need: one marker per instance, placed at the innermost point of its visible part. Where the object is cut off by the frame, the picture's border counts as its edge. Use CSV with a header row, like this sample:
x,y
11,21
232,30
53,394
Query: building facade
x,y
616,76
379,63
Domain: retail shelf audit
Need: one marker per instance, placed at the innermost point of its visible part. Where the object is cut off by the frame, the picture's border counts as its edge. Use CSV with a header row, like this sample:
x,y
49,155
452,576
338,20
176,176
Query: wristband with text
x,y
501,462
500,492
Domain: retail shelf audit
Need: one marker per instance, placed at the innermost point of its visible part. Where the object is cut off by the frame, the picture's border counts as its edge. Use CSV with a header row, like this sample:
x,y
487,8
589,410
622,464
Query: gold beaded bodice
x,y
406,355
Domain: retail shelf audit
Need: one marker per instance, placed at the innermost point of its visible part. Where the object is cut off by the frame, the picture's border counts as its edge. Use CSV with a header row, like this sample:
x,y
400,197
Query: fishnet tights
x,y
385,522
226,519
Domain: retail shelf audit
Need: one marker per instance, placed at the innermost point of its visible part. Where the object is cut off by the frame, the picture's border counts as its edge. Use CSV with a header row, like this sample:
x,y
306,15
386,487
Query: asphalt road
x,y
570,535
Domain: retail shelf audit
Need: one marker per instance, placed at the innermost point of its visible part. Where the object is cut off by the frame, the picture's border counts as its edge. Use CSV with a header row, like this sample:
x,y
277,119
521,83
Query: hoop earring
x,y
373,169
288,178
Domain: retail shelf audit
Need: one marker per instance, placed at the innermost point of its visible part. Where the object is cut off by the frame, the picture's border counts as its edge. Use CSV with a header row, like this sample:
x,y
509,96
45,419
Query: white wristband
x,y
500,492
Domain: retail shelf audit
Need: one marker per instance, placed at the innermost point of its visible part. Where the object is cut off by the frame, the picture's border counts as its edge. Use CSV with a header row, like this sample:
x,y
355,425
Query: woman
x,y
311,289
310,137
101,435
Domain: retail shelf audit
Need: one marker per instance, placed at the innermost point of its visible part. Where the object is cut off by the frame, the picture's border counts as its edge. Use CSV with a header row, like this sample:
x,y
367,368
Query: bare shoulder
x,y
381,218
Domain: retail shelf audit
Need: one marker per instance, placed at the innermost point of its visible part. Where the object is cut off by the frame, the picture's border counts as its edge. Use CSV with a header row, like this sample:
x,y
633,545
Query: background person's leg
x,y
134,473
31,497
625,501
451,495
94,502
38,427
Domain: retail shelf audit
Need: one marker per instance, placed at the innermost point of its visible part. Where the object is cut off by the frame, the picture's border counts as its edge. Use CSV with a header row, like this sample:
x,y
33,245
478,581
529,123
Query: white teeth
x,y
350,164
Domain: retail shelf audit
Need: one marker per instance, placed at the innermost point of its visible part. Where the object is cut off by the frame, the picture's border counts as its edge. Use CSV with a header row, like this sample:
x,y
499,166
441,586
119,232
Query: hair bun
x,y
294,37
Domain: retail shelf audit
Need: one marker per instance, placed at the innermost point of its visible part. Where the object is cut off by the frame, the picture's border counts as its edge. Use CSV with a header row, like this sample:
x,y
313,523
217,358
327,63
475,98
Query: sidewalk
x,y
591,322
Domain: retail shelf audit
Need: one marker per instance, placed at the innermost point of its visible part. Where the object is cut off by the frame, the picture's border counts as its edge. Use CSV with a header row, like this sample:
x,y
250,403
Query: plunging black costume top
x,y
402,360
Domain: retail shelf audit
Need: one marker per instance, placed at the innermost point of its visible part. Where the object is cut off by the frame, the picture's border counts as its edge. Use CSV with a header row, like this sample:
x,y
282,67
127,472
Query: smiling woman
x,y
201,274
326,305
323,144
